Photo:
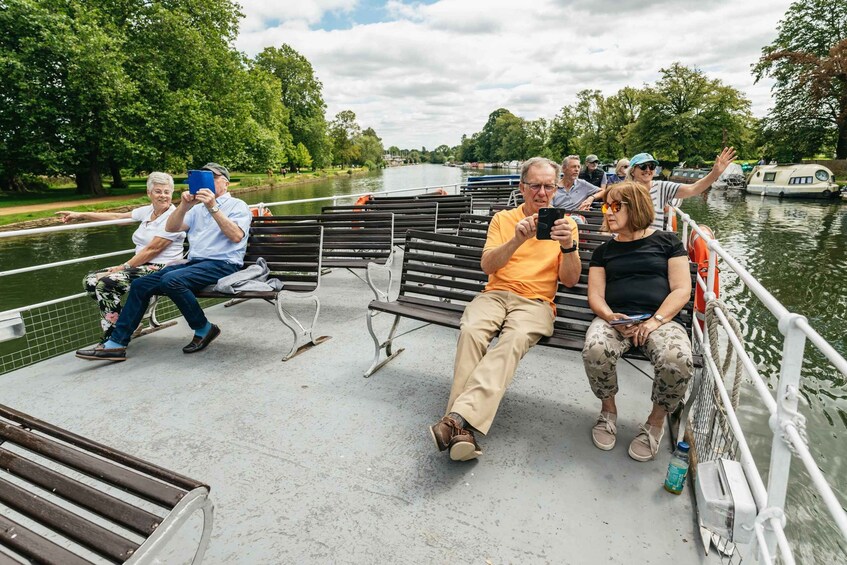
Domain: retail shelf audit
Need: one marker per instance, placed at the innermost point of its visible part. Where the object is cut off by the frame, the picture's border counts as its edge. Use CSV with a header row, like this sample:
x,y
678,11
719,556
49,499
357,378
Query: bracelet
x,y
126,266
571,250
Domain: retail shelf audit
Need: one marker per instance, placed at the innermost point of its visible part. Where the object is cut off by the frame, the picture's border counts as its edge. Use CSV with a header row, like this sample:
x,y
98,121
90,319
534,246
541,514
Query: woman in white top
x,y
154,248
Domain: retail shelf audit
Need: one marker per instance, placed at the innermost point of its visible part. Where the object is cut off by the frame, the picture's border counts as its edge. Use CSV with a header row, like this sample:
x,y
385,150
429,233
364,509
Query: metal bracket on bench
x,y
379,294
150,315
376,365
303,338
191,502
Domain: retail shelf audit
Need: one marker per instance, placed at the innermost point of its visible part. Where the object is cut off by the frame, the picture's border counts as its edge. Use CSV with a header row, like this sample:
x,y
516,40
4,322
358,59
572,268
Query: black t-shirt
x,y
637,271
595,177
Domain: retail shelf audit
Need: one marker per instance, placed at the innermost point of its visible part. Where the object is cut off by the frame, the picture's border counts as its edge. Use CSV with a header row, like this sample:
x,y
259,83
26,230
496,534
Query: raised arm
x,y
721,163
176,221
67,216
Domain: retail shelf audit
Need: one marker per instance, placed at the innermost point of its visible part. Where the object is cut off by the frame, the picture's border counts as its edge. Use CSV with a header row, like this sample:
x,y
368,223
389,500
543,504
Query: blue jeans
x,y
177,282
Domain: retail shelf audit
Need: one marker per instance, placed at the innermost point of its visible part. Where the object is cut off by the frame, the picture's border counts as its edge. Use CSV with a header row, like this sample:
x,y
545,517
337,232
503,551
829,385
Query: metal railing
x,y
786,423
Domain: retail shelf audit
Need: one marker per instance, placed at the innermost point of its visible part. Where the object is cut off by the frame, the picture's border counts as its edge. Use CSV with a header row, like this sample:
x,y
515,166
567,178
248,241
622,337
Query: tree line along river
x,y
796,249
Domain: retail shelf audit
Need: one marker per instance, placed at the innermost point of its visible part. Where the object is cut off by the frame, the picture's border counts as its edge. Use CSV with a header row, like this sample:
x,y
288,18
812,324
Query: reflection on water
x,y
797,249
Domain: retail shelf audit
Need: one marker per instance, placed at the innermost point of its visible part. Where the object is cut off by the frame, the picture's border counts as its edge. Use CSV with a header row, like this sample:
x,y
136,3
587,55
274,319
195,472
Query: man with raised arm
x,y
217,226
523,274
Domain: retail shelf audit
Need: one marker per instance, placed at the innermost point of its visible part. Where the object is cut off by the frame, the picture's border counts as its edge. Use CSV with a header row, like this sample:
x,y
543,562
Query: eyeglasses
x,y
647,166
536,187
612,205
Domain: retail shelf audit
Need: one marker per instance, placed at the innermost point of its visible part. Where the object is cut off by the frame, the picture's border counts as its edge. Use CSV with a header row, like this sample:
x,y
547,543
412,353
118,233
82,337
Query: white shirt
x,y
156,228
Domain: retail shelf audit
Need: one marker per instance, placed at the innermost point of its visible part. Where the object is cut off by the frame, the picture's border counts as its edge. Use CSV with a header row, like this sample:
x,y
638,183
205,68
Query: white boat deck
x,y
311,463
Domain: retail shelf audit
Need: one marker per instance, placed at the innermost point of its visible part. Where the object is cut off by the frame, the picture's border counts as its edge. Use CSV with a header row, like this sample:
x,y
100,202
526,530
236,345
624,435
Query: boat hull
x,y
785,191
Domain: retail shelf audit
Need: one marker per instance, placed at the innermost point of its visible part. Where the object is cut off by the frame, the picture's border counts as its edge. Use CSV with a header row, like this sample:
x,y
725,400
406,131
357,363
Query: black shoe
x,y
100,353
200,343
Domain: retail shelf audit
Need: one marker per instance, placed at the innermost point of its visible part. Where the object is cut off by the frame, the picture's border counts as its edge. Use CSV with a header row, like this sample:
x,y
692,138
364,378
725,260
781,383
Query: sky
x,y
422,73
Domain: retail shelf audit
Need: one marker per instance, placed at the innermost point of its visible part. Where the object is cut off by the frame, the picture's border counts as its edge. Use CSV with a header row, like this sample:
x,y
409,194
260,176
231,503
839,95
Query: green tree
x,y
808,59
343,133
369,147
587,112
561,140
617,117
302,95
488,143
685,113
300,157
467,150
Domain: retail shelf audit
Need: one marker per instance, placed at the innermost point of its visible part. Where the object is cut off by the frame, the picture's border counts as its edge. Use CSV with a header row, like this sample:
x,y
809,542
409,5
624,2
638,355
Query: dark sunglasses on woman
x,y
647,166
612,205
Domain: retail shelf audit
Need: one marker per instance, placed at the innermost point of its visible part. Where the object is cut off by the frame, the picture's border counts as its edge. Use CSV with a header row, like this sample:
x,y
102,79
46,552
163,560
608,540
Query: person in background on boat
x,y
217,226
574,193
523,275
154,248
592,173
621,167
642,271
642,167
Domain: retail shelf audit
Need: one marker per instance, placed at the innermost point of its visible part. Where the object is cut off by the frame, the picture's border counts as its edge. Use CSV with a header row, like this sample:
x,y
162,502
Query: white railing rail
x,y
787,424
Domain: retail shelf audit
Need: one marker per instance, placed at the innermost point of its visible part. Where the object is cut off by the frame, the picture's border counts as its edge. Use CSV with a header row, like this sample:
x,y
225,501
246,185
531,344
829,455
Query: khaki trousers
x,y
480,374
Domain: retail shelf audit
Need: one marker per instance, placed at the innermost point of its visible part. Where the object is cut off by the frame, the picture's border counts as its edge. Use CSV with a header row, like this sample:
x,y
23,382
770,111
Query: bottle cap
x,y
683,446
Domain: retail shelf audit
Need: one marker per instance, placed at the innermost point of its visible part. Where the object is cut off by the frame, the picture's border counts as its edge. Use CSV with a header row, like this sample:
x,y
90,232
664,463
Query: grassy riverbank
x,y
33,209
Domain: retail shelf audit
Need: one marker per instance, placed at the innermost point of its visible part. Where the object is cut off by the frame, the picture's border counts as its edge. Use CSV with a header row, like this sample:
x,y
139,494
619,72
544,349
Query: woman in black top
x,y
642,271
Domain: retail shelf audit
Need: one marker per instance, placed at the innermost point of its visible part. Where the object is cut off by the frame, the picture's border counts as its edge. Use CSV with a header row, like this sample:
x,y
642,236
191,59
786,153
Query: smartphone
x,y
200,179
546,217
637,318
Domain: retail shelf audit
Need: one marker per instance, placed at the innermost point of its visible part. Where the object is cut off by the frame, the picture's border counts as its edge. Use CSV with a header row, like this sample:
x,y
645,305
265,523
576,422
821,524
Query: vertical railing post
x,y
786,401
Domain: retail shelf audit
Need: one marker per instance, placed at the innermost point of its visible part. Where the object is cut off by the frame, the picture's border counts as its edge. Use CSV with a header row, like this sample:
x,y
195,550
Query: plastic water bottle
x,y
677,469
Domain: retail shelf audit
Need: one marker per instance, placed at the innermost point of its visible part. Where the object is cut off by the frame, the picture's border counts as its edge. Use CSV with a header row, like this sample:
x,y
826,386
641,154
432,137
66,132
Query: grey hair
x,y
159,178
537,161
568,158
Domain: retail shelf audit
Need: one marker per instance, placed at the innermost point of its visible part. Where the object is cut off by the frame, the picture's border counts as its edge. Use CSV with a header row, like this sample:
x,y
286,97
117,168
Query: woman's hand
x,y
66,216
116,269
643,330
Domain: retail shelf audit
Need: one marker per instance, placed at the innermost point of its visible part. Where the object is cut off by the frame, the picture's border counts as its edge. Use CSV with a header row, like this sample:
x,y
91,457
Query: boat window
x,y
822,175
769,177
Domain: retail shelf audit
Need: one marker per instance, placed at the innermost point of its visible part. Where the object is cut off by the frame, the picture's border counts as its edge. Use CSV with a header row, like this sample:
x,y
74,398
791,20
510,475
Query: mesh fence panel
x,y
711,438
66,326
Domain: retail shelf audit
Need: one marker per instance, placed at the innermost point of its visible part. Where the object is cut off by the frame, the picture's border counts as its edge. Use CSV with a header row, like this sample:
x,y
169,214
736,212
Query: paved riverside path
x,y
24,209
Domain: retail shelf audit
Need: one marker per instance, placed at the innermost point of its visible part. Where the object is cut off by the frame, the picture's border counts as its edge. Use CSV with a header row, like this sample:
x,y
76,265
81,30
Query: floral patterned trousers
x,y
107,290
668,348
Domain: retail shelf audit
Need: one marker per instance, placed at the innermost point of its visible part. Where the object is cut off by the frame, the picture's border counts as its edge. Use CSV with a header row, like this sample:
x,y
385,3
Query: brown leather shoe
x,y
200,343
444,431
463,446
100,353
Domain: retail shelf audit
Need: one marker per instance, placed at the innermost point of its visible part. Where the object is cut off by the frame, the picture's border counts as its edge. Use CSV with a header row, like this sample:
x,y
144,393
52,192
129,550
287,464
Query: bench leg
x,y
151,315
376,365
303,338
379,294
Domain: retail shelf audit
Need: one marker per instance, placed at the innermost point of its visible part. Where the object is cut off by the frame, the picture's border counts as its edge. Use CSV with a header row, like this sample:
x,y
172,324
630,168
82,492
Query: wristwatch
x,y
571,250
660,318
214,209
126,266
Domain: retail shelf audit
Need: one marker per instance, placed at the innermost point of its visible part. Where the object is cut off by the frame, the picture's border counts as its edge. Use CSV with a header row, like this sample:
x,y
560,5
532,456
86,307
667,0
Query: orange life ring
x,y
698,252
440,192
255,212
362,201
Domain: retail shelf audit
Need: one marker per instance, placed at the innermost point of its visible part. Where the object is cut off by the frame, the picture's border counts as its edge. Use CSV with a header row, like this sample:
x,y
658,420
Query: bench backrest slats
x,y
126,479
83,495
33,546
292,251
93,536
130,461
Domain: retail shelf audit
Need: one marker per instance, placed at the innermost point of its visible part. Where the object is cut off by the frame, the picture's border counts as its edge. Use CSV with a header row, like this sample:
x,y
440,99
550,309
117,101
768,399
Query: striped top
x,y
662,192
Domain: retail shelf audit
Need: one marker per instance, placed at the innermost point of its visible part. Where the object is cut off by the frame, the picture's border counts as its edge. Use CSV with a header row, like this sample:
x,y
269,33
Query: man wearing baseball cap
x,y
662,192
217,226
592,173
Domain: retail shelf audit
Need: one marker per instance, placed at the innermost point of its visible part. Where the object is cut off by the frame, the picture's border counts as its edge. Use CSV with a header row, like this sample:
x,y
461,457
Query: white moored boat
x,y
793,181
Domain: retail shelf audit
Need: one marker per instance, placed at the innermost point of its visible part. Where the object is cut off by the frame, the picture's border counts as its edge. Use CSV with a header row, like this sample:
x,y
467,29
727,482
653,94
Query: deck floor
x,y
311,463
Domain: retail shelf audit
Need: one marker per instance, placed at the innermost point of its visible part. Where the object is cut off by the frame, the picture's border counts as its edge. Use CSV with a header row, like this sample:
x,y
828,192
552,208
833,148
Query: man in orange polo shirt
x,y
523,274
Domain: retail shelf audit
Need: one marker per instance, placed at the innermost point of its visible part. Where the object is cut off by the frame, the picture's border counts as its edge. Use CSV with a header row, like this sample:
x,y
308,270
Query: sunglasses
x,y
612,205
647,166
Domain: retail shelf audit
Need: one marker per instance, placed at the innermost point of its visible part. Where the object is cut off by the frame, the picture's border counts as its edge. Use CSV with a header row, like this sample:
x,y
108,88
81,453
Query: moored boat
x,y
684,175
793,181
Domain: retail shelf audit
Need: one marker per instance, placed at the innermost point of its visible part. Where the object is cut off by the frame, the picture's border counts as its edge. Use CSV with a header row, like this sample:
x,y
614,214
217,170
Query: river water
x,y
796,249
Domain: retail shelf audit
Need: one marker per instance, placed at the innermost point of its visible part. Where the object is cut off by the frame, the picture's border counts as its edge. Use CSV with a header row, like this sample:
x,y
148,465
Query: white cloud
x,y
435,71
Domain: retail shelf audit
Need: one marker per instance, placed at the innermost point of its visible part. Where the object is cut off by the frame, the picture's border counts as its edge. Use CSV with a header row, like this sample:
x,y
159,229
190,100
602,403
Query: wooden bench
x,y
84,502
485,196
352,241
450,207
294,256
442,273
407,215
